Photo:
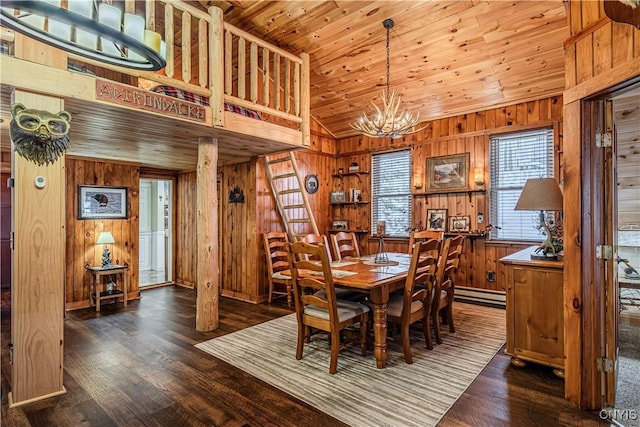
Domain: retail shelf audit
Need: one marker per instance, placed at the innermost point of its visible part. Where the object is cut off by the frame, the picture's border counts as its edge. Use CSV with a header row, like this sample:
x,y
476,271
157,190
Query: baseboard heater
x,y
482,296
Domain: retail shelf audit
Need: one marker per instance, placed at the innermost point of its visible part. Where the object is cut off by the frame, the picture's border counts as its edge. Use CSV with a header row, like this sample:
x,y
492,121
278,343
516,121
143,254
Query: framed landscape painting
x,y
448,172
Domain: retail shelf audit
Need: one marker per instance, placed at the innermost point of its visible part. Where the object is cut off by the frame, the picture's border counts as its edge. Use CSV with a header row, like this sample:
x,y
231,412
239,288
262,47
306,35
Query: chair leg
x,y
427,333
449,311
335,348
363,335
289,293
435,317
406,344
301,339
270,291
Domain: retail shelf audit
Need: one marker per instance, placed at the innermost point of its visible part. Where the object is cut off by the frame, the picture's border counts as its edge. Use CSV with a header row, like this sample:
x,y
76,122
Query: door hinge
x,y
605,364
603,140
604,252
11,236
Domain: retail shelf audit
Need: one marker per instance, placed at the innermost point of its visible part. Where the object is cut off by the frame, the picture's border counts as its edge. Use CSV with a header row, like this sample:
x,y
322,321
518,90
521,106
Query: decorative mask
x,y
39,136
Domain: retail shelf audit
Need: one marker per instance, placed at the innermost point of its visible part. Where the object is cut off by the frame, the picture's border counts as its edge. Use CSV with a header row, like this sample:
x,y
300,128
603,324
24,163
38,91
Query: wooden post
x,y
207,231
37,288
216,65
305,101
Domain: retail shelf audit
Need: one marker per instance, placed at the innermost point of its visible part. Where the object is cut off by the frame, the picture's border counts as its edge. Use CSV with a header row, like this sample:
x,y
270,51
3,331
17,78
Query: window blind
x,y
514,158
391,191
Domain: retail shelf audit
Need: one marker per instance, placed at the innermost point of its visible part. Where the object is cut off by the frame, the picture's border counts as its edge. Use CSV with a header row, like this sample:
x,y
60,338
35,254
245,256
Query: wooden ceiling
x,y
447,57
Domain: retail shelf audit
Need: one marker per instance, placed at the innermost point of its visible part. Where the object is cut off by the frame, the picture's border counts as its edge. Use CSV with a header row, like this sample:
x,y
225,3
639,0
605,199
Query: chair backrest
x,y
316,239
419,236
309,277
345,245
422,271
275,246
449,258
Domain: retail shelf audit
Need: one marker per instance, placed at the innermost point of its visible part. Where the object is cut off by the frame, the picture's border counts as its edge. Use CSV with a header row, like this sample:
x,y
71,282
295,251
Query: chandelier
x,y
387,122
87,28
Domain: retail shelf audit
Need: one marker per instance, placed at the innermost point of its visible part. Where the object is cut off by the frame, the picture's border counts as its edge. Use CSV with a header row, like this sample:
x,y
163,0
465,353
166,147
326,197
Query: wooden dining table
x,y
378,280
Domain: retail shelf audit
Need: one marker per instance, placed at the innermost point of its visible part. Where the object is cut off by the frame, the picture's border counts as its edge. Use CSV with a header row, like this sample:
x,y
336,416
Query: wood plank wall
x,y
600,56
459,134
242,224
81,248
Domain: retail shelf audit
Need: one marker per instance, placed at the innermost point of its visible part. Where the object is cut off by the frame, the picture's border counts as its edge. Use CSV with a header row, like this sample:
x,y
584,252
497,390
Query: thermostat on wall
x,y
40,181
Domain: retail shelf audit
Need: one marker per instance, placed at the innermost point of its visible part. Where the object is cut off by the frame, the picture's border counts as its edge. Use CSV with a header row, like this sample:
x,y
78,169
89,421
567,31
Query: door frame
x,y
600,288
172,176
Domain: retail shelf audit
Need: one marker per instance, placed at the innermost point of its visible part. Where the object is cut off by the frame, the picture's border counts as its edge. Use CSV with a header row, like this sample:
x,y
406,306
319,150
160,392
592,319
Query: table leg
x,y
379,298
124,286
99,286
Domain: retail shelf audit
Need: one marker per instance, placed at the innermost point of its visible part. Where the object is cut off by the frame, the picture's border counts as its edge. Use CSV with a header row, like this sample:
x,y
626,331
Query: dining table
x,y
378,280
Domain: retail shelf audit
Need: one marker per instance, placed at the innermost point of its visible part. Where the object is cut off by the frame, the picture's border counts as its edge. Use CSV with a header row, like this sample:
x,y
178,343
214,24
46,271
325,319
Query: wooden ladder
x,y
291,199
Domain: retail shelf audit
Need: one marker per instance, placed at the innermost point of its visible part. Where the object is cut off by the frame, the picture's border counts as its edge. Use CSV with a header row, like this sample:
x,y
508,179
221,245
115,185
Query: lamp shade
x,y
540,194
105,238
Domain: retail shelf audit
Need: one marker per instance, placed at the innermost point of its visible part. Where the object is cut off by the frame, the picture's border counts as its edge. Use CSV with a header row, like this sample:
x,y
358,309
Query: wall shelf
x,y
332,230
340,175
349,203
446,193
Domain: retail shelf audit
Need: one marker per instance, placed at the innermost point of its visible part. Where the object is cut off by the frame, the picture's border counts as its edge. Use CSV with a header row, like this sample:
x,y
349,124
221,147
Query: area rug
x,y
359,394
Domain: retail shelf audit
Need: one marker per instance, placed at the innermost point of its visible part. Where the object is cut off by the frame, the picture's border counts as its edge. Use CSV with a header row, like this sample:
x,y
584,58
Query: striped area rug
x,y
359,394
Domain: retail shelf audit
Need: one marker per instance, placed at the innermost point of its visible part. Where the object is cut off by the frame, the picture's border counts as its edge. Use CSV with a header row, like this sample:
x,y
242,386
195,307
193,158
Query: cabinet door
x,y
537,311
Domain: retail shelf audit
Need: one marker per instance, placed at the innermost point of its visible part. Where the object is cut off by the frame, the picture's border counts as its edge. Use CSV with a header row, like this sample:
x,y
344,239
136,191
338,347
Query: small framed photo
x,y
436,219
448,172
338,197
338,224
95,202
460,224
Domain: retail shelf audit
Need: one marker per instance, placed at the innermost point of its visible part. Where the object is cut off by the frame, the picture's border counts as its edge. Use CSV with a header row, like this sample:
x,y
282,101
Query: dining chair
x,y
275,247
445,284
328,314
413,304
418,236
345,245
316,239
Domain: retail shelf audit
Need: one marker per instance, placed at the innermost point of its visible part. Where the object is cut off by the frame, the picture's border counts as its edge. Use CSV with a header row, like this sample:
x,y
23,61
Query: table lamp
x,y
106,238
541,194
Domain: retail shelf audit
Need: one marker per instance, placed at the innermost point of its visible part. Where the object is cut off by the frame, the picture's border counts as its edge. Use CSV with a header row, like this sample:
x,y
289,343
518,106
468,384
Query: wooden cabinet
x,y
355,186
535,329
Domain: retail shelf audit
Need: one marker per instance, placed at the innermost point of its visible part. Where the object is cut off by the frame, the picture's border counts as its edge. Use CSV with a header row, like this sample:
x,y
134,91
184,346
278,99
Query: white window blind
x,y
391,191
514,158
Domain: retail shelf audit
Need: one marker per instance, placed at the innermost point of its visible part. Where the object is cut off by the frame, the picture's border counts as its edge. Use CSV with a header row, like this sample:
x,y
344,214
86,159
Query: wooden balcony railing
x,y
217,60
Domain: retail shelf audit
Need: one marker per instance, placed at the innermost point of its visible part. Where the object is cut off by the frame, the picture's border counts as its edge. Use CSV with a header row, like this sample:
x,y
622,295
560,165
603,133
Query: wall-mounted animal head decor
x,y
39,136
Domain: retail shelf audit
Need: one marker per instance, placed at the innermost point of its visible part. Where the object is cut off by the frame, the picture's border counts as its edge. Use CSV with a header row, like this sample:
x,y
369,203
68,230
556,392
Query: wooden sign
x,y
130,96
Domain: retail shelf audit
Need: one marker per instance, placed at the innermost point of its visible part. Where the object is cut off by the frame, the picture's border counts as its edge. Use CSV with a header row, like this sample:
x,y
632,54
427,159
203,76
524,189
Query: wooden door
x,y
612,300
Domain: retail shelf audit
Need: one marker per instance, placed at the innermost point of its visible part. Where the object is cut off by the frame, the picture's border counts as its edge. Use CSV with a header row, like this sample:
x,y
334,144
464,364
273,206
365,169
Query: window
x,y
391,191
514,158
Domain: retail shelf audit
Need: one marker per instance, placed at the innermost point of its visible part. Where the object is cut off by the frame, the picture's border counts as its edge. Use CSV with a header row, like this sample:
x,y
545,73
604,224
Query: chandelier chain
x,y
388,60
388,120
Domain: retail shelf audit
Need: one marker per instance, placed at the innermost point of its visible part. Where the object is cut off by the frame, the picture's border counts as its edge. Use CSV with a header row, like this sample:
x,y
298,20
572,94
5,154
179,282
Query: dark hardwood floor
x,y
138,366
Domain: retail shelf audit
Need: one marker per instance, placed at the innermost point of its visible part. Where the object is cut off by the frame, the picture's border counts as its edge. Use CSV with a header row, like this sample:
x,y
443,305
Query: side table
x,y
97,288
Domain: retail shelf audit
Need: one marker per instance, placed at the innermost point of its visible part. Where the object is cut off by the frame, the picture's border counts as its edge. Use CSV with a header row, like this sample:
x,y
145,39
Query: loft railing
x,y
214,59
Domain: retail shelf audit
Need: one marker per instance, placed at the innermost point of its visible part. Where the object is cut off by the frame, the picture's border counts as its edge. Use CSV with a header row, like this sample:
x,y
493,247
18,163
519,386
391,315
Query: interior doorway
x,y
155,237
626,125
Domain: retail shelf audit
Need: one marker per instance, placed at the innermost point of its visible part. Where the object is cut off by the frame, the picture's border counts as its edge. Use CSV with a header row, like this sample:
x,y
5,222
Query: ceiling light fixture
x,y
87,28
387,122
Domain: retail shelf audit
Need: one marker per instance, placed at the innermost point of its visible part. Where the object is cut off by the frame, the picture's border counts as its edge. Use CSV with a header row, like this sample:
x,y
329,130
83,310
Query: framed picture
x,y
460,224
96,202
436,219
338,197
338,224
448,172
